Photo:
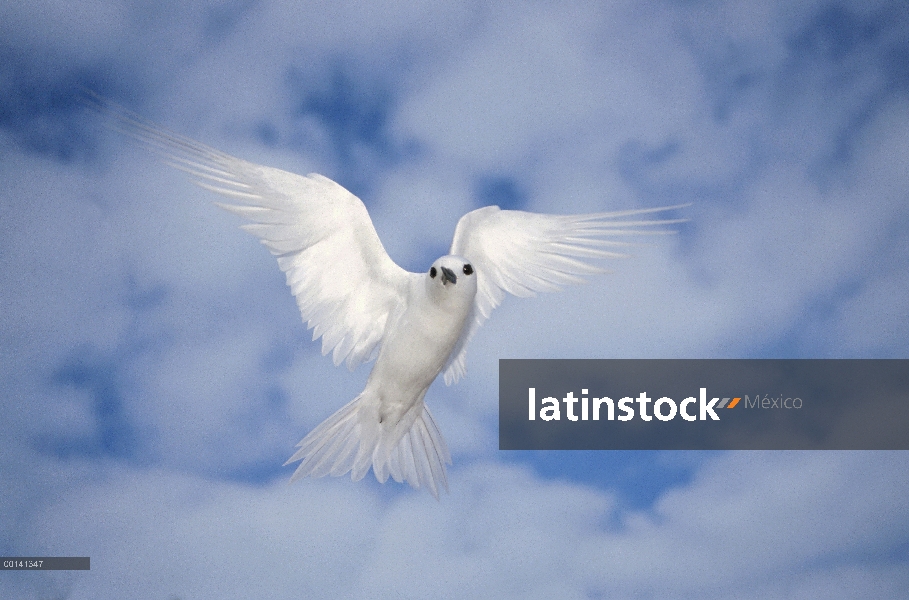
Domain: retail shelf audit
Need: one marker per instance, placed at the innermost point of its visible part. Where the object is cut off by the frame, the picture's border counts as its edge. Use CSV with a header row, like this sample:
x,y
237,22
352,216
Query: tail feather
x,y
317,447
352,440
421,455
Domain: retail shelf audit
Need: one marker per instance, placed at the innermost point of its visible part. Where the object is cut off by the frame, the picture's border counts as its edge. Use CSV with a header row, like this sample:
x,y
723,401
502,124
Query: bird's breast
x,y
416,347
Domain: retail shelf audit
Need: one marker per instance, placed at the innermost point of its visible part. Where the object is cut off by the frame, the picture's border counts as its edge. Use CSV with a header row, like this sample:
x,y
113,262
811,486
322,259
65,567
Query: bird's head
x,y
451,277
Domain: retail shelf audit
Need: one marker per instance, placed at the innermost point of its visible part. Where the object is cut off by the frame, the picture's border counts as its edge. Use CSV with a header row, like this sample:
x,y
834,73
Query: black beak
x,y
448,274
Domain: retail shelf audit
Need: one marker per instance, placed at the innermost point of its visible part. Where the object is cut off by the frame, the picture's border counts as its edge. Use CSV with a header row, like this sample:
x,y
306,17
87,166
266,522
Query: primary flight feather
x,y
364,306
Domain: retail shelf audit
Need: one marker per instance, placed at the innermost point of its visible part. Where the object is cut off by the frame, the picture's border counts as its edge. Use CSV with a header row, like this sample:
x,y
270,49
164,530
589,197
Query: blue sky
x,y
155,374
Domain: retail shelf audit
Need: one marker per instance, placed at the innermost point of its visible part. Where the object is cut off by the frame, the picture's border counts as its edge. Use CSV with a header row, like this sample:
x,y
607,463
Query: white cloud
x,y
750,525
538,74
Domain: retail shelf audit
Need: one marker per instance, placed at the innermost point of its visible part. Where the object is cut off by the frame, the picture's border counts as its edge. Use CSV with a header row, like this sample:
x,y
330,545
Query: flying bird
x,y
364,306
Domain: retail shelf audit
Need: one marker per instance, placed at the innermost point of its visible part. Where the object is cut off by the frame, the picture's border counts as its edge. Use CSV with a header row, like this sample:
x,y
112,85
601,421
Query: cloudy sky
x,y
155,374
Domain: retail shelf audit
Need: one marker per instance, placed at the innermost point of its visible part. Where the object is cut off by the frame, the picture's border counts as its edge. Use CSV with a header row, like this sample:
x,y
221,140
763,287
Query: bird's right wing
x,y
523,253
345,284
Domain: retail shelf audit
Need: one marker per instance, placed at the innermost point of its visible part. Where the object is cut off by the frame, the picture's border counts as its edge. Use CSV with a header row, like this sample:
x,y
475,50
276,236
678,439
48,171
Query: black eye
x,y
468,269
432,272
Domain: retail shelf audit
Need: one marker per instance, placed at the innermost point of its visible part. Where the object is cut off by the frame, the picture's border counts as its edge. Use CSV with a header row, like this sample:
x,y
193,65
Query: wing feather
x,y
345,284
522,253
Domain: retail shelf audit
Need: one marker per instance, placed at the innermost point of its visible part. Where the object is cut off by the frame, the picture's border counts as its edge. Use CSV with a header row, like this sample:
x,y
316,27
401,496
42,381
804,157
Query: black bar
x,y
45,563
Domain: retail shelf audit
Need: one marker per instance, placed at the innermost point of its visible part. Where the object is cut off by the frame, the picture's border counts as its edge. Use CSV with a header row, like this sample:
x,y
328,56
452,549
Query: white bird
x,y
364,306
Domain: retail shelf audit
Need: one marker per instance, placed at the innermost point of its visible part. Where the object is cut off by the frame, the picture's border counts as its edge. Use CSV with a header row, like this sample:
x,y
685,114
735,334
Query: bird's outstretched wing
x,y
523,253
345,284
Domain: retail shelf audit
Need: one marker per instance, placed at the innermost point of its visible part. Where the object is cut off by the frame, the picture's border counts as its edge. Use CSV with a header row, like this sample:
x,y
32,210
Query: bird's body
x,y
364,306
373,429
420,339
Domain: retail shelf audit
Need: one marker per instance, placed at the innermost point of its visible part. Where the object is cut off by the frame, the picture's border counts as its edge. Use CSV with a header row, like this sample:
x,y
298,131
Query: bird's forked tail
x,y
353,439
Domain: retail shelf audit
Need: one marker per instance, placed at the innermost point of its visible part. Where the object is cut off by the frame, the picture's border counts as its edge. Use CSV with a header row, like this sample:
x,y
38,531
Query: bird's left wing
x,y
523,253
345,284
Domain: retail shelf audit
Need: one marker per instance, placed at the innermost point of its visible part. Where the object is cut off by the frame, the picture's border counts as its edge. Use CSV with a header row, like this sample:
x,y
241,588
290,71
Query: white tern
x,y
364,306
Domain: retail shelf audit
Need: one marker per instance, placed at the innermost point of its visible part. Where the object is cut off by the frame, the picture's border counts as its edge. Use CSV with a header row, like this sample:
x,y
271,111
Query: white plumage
x,y
364,306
